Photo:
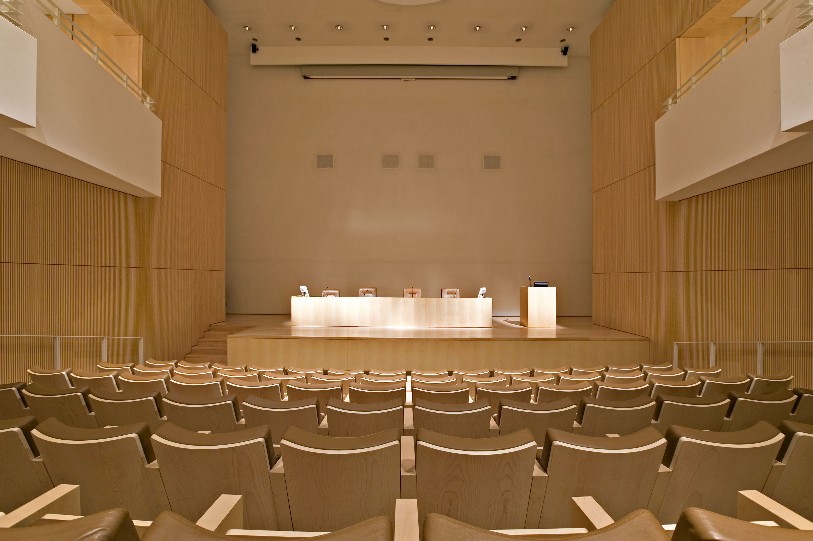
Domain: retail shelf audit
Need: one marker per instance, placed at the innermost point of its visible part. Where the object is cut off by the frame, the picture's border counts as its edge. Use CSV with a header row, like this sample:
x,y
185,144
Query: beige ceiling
x,y
315,20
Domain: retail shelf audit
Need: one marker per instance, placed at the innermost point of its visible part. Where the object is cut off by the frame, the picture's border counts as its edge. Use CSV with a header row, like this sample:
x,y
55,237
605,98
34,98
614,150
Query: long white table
x,y
390,312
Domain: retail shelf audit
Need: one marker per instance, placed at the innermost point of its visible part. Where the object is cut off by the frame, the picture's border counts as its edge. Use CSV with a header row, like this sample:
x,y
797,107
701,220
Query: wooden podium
x,y
537,307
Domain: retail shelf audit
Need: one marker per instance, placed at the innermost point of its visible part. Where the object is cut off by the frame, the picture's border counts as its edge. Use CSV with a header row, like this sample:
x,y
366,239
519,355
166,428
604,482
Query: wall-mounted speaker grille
x,y
491,161
426,161
390,161
324,161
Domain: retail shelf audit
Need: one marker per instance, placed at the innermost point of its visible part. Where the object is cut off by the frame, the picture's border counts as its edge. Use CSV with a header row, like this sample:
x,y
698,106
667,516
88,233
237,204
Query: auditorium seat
x,y
748,409
588,370
445,393
520,392
197,468
169,525
474,381
284,380
462,420
211,387
699,412
302,372
278,416
331,378
512,373
22,473
665,375
50,379
620,369
94,381
116,368
143,384
620,473
537,418
709,468
161,364
372,392
701,525
202,374
143,370
333,483
581,377
534,382
126,407
267,390
655,367
193,364
430,374
433,380
554,370
216,414
485,482
110,465
637,525
232,375
714,372
321,391
723,386
792,484
108,525
623,377
768,384
473,373
267,371
573,392
620,391
598,417
342,372
349,419
803,411
68,405
690,387
11,401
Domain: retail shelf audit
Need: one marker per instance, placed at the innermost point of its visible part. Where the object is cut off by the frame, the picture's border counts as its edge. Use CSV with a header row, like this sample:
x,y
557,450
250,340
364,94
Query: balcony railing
x,y
58,341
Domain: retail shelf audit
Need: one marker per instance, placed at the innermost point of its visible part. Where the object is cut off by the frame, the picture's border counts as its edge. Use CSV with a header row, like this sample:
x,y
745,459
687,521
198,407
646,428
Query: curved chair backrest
x,y
447,393
512,373
335,482
349,420
143,384
267,390
700,412
538,418
68,405
219,414
95,381
125,408
473,373
11,401
701,525
433,380
654,367
697,372
762,384
474,381
142,370
430,374
714,385
588,370
321,391
108,464
639,524
457,477
628,370
600,417
574,392
211,387
194,364
711,467
19,467
748,409
194,374
631,377
618,472
570,379
556,371
689,388
116,368
197,468
793,488
521,392
620,391
803,412
302,372
462,420
50,379
534,382
399,372
232,375
665,375
278,416
267,371
160,364
366,393
110,525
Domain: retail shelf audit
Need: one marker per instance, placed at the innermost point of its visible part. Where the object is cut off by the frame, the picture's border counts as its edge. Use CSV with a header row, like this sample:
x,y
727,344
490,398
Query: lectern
x,y
537,307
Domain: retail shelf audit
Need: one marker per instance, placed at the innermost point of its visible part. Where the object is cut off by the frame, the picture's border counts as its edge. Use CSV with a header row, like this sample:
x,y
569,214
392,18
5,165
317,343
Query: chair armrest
x,y
224,514
753,505
407,527
280,493
409,479
409,422
590,514
61,500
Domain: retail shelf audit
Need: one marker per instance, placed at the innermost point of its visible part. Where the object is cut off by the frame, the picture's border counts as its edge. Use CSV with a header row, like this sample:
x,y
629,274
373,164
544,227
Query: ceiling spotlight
x,y
523,28
478,28
431,27
292,27
339,27
385,27
571,28
247,28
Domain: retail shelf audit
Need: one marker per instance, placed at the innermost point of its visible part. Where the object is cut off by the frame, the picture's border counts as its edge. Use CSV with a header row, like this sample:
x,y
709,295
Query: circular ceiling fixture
x,y
409,2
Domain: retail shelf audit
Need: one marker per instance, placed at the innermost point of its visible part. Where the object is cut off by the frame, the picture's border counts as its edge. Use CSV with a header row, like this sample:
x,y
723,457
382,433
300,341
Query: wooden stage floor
x,y
273,341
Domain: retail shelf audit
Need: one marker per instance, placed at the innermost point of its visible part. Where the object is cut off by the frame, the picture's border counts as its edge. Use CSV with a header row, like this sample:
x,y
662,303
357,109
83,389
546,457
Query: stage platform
x,y
274,342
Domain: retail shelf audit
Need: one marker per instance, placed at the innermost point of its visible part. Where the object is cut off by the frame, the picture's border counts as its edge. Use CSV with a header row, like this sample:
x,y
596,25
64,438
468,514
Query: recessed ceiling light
x,y
477,28
385,27
292,27
523,28
339,27
247,28
571,28
431,27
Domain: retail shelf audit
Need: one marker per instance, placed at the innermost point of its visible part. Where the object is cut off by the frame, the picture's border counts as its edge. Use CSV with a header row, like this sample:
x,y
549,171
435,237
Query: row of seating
x,y
322,483
223,521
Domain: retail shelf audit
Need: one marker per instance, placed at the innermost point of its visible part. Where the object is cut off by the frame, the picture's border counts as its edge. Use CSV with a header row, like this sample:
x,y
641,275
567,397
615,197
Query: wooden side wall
x,y
731,265
79,259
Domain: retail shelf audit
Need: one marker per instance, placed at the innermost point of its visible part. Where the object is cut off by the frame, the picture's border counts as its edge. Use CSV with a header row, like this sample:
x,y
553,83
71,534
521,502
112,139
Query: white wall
x,y
455,226
18,85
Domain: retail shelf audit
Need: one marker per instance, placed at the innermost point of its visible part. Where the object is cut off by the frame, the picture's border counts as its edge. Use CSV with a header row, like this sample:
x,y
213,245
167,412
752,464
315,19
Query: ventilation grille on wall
x,y
390,161
324,161
426,161
491,161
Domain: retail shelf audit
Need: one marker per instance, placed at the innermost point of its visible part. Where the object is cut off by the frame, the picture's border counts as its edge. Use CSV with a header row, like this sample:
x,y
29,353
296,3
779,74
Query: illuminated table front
x,y
390,312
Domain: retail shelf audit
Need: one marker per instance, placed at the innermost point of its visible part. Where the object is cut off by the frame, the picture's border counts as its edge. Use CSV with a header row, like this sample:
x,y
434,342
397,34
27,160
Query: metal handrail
x,y
713,349
103,347
758,22
85,42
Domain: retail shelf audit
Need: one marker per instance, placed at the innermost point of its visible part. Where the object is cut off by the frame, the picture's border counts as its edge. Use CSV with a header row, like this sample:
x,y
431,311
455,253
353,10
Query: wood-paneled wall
x,y
731,265
79,259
